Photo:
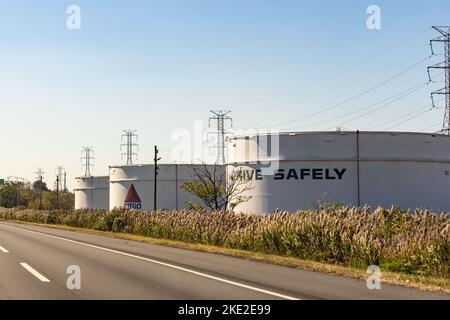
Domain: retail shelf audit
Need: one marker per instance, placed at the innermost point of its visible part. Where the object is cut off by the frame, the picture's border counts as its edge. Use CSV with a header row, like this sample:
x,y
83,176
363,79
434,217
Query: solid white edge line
x,y
34,272
3,250
201,274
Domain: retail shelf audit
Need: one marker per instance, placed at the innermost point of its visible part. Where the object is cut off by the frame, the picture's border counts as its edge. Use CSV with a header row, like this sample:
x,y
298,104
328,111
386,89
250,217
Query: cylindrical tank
x,y
92,193
294,171
132,186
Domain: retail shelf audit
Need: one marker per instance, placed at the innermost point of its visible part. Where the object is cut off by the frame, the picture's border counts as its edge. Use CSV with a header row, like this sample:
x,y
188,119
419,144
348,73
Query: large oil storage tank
x,y
132,186
292,171
92,193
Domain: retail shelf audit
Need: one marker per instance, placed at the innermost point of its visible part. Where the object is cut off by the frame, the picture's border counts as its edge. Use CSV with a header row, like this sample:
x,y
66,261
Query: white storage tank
x,y
293,171
92,193
132,186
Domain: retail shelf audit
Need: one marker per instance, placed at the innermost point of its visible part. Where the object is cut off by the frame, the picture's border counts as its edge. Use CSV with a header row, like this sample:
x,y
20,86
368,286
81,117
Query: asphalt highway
x,y
44,263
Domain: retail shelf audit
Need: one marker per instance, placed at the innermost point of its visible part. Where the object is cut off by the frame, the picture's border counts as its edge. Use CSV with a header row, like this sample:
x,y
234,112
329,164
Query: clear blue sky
x,y
156,66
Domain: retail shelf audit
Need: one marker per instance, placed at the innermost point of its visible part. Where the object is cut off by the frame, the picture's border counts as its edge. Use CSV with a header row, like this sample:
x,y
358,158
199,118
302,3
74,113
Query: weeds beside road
x,y
412,243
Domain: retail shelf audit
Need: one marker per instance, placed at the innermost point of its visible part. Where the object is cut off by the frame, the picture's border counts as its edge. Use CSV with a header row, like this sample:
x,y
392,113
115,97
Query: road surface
x,y
34,262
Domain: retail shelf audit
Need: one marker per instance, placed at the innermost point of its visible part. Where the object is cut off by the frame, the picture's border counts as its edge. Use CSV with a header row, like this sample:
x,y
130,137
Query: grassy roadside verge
x,y
413,281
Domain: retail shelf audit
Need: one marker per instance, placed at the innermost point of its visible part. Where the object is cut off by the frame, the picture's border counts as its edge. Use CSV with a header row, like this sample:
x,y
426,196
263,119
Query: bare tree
x,y
217,190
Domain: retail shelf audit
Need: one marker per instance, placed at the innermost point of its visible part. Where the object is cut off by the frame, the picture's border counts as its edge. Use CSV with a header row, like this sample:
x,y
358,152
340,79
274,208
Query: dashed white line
x,y
3,250
34,272
201,274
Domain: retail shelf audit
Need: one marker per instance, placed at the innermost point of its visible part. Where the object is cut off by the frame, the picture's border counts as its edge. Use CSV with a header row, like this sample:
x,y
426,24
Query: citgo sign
x,y
132,200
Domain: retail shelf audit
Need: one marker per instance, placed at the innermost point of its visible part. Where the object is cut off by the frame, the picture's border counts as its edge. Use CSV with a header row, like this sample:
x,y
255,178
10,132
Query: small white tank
x,y
92,193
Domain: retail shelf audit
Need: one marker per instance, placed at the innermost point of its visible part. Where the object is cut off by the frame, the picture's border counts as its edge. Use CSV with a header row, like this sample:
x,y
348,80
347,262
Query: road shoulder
x,y
391,278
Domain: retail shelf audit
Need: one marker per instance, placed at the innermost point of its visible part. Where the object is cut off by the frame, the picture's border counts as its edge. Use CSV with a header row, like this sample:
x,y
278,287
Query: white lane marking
x,y
201,274
34,272
3,250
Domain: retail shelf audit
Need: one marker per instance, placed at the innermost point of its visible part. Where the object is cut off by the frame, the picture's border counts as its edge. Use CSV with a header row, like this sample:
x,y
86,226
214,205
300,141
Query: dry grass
x,y
416,244
425,283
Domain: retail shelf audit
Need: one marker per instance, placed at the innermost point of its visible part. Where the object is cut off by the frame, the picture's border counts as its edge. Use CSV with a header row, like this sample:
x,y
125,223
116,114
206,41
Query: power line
x,y
407,120
353,81
357,79
432,126
353,97
130,138
382,106
110,155
429,106
392,99
397,118
349,67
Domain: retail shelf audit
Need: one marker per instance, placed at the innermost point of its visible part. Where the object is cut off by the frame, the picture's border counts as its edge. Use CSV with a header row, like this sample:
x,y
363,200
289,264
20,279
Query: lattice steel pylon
x,y
59,173
39,174
130,137
220,116
87,160
445,65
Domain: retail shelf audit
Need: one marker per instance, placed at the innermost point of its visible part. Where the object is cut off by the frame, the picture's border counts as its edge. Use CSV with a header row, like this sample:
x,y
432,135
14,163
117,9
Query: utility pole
x,y
40,174
445,65
130,137
60,177
59,180
57,192
87,160
220,116
155,178
40,194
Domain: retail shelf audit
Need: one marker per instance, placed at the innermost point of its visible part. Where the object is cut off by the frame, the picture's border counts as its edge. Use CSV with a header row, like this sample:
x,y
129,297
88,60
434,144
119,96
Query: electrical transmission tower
x,y
220,116
445,65
20,180
130,137
87,160
60,179
39,174
40,178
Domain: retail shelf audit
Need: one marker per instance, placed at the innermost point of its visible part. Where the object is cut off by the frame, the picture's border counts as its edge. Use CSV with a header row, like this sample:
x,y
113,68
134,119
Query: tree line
x,y
36,196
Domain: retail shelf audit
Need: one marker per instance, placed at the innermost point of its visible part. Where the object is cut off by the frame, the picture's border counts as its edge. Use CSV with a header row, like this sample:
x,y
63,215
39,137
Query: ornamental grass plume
x,y
397,240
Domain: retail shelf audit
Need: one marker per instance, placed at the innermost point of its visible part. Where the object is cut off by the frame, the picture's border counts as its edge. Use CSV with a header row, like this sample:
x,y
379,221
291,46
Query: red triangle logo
x,y
132,195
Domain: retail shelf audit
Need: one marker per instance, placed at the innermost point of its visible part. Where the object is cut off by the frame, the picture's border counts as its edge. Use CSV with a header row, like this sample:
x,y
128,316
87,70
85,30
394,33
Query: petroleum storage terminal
x,y
297,170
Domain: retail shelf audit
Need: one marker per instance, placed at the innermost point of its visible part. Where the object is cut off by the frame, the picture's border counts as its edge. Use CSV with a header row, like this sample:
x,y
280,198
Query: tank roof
x,y
93,177
295,133
159,164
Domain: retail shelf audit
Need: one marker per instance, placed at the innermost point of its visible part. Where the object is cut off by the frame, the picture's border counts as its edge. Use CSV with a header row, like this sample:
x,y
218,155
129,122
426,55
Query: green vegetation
x,y
412,243
18,195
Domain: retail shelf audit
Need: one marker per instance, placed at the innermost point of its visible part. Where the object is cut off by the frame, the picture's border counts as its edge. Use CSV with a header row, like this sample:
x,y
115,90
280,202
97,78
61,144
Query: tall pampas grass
x,y
397,240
